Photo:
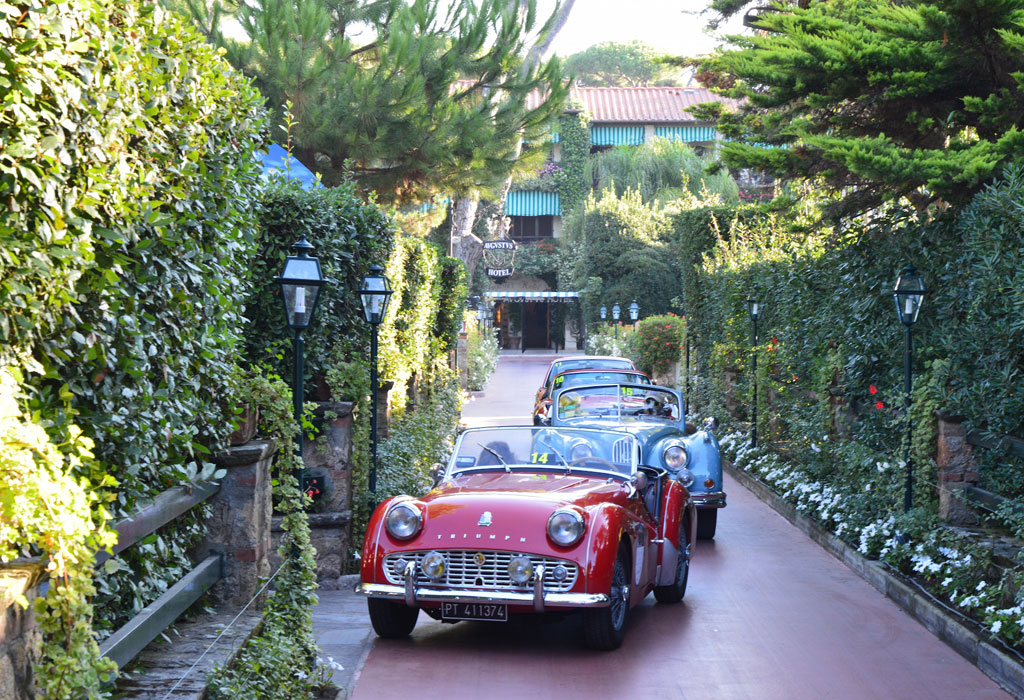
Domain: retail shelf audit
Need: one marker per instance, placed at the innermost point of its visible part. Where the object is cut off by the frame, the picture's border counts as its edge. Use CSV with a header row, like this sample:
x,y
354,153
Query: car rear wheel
x,y
674,592
391,620
707,519
605,628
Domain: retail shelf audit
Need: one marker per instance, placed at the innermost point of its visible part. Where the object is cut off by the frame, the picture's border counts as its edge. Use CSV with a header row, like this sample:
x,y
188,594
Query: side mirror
x,y
436,473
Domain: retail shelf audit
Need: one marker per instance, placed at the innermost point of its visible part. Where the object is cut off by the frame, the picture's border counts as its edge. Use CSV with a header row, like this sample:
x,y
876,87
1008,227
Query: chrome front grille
x,y
463,571
621,451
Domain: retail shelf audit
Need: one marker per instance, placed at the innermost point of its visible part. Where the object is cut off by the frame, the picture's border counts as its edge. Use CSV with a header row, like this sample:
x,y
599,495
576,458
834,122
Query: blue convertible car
x,y
655,415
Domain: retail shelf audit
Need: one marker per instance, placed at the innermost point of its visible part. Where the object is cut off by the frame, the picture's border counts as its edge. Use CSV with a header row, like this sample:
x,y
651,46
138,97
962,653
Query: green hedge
x,y
348,235
131,179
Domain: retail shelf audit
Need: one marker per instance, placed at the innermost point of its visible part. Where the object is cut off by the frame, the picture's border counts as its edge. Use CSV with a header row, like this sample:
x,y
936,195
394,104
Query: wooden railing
x,y
125,644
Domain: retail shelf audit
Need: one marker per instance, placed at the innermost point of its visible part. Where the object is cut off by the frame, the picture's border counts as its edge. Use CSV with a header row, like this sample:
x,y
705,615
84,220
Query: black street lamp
x,y
300,283
909,295
375,295
634,311
616,312
755,313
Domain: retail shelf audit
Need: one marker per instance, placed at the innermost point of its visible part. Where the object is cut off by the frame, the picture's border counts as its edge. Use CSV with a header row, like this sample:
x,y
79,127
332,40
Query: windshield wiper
x,y
568,469
508,469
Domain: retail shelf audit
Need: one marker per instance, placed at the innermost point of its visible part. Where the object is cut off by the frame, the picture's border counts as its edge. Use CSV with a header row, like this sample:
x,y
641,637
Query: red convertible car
x,y
531,520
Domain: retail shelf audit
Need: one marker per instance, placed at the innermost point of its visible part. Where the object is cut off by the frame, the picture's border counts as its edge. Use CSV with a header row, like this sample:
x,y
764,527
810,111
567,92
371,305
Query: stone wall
x,y
956,469
19,636
329,458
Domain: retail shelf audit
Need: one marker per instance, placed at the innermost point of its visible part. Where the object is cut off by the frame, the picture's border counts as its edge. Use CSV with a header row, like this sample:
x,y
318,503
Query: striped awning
x,y
616,135
532,296
687,134
525,203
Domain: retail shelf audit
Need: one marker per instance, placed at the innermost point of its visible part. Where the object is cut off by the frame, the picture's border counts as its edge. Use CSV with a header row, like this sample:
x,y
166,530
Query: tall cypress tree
x,y
412,97
881,100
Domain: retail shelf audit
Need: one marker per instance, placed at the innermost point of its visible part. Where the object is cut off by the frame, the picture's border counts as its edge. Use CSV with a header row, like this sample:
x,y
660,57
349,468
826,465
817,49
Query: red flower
x,y
794,377
872,389
831,343
879,405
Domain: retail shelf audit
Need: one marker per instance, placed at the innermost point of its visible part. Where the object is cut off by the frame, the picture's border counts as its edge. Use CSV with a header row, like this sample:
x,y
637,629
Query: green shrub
x,y
482,354
348,235
659,343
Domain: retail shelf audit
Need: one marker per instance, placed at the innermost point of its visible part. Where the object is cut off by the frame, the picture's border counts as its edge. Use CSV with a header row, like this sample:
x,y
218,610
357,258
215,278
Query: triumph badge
x,y
485,519
479,559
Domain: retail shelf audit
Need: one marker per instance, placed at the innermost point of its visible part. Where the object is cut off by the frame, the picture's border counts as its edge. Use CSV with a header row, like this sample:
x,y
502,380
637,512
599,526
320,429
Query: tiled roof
x,y
646,105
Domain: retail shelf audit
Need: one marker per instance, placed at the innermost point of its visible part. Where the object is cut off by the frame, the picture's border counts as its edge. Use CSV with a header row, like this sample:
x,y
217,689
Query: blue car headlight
x,y
676,456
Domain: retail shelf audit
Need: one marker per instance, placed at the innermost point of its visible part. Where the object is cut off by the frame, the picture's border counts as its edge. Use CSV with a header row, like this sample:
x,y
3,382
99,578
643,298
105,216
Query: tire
x,y
707,520
674,592
391,620
605,628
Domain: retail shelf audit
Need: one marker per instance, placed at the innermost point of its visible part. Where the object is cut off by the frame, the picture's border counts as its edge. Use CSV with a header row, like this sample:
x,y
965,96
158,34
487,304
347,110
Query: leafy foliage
x,y
573,184
348,236
661,171
920,100
621,64
45,508
129,161
622,241
659,343
482,355
435,101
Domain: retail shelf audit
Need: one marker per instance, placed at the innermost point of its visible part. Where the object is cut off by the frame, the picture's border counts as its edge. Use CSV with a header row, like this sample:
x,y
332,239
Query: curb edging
x,y
994,663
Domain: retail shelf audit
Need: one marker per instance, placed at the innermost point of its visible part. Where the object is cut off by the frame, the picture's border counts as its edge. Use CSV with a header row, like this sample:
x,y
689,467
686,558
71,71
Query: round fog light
x,y
433,565
560,573
685,477
520,569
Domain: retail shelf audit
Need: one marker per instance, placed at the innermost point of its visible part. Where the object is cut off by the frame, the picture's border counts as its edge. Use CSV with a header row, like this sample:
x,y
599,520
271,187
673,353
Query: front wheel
x,y
674,592
391,620
605,628
707,520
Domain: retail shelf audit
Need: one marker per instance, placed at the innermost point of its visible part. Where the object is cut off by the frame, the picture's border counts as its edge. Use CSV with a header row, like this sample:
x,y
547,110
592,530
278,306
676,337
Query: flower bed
x,y
951,566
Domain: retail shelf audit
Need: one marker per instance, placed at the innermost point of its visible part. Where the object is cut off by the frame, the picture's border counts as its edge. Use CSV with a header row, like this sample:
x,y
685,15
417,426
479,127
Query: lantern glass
x,y
634,311
300,286
908,294
375,295
616,312
604,312
755,308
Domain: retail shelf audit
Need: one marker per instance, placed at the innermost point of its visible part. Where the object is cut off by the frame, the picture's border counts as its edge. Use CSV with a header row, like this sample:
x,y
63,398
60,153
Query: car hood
x,y
516,505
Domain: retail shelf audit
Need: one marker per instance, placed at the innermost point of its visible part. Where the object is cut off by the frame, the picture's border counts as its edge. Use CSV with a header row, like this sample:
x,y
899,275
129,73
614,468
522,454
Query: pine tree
x,y
412,97
880,100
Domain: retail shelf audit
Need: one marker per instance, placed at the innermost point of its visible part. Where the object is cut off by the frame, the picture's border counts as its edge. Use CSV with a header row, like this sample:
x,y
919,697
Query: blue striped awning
x,y
532,296
528,203
616,135
687,134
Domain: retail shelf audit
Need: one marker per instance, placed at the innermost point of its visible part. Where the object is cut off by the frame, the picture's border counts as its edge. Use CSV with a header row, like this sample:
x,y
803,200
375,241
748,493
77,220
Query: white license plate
x,y
493,612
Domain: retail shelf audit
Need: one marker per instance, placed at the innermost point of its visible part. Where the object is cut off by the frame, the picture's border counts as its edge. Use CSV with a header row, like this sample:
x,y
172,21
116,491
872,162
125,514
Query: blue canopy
x,y
278,160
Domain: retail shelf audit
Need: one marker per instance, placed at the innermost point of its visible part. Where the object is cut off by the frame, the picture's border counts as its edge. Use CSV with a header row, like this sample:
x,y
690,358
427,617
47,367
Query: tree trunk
x,y
464,244
538,50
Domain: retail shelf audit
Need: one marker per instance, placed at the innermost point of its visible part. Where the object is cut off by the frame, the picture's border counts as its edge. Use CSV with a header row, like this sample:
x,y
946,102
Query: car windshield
x,y
568,450
589,363
625,404
568,379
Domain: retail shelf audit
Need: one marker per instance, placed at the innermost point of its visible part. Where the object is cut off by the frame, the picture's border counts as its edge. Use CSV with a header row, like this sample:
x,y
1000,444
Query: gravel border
x,y
1003,668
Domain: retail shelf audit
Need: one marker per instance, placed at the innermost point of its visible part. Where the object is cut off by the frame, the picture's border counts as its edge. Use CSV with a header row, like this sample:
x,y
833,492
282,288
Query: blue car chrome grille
x,y
462,570
621,452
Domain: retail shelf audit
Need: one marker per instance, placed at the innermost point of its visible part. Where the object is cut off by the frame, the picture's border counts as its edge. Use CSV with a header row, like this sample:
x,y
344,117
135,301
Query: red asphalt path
x,y
768,615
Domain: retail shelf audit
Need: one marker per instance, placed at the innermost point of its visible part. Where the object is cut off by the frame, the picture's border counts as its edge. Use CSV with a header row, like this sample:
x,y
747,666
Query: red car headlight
x,y
565,527
403,521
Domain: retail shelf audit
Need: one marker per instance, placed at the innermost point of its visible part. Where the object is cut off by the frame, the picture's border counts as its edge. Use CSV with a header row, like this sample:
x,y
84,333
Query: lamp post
x,y
909,295
604,313
300,283
375,295
634,312
616,312
755,312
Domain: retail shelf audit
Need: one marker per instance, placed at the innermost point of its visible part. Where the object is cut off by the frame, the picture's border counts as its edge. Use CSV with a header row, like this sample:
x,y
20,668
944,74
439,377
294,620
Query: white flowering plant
x,y
857,500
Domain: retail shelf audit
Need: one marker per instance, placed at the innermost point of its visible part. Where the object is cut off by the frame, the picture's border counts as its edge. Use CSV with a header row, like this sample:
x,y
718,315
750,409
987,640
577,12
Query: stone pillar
x,y
956,469
19,636
240,524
